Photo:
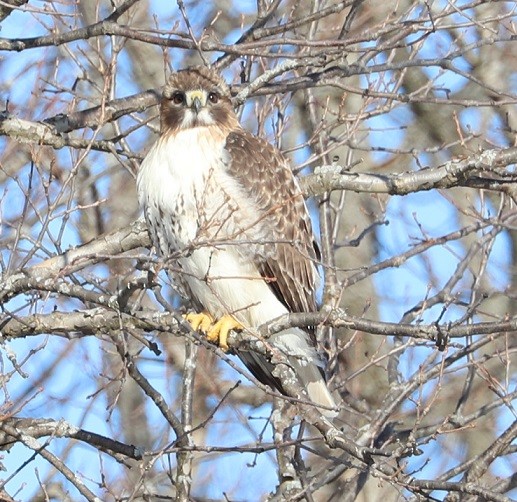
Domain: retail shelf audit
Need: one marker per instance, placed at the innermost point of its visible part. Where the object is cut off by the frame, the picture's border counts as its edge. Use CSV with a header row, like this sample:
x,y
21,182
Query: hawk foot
x,y
219,331
201,321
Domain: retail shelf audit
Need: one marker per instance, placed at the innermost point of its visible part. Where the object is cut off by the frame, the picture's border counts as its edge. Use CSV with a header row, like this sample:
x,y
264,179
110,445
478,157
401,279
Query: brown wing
x,y
288,257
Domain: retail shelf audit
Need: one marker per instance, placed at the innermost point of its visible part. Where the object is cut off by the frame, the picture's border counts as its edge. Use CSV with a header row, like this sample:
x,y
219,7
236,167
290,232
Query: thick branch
x,y
102,320
41,133
465,172
96,251
42,427
52,459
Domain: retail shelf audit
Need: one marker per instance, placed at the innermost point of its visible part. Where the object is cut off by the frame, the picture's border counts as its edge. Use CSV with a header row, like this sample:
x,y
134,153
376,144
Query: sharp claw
x,y
215,332
201,321
218,333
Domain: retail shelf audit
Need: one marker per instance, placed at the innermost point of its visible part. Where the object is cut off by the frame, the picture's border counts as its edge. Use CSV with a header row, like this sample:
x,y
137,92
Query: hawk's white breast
x,y
171,182
192,205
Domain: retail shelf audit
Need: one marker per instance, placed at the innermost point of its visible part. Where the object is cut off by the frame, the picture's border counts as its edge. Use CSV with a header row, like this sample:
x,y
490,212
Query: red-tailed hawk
x,y
224,207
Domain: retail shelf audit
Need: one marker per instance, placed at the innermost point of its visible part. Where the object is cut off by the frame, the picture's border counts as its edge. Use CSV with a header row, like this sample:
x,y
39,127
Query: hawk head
x,y
196,97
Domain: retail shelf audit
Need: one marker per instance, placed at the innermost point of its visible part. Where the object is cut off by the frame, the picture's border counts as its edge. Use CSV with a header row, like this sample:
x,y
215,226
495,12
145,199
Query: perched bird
x,y
225,209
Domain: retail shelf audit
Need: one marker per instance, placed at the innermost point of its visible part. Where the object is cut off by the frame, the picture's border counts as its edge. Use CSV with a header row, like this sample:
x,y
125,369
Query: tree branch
x,y
42,427
465,172
100,249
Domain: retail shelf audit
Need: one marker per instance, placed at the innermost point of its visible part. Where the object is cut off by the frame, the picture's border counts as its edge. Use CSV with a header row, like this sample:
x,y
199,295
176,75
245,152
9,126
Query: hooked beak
x,y
197,105
196,100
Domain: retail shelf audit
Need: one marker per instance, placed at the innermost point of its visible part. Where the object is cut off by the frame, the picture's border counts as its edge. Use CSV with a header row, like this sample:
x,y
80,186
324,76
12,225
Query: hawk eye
x,y
213,97
178,98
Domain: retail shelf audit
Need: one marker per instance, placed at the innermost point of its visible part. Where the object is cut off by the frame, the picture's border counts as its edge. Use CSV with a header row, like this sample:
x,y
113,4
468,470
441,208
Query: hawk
x,y
224,207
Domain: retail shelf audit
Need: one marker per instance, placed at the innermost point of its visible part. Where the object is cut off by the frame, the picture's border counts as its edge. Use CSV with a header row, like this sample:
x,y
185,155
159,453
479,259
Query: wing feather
x,y
287,257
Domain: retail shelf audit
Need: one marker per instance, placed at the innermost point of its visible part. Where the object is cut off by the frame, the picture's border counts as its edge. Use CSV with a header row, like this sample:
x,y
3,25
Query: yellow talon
x,y
199,322
218,332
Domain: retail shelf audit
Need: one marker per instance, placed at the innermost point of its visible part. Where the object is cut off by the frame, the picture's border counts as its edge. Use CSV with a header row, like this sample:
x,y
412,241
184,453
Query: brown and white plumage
x,y
225,207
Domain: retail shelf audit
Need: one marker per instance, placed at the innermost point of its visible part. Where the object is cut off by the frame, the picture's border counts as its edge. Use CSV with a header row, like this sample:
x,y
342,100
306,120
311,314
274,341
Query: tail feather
x,y
305,362
317,390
